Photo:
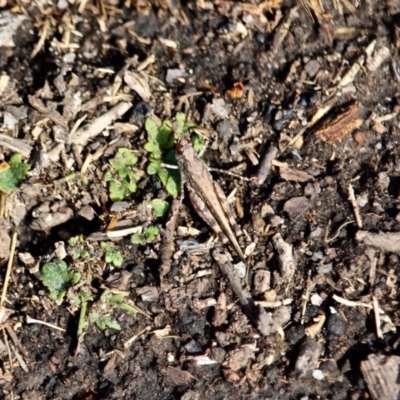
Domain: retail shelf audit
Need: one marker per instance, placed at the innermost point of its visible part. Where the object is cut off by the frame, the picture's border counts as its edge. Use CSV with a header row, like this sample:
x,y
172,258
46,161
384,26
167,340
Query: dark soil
x,y
250,76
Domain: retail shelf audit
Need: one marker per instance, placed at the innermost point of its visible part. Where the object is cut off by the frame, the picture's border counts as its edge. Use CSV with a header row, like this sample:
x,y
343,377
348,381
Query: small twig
x,y
234,174
14,338
9,266
129,342
306,297
379,333
20,359
30,320
265,164
8,348
356,209
167,245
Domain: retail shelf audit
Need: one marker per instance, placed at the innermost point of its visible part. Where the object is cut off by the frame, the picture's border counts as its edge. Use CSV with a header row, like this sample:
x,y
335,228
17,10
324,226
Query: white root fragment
x,y
82,136
30,320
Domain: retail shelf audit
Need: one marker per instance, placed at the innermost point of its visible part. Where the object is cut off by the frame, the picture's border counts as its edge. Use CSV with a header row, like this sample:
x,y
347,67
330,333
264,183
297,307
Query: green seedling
x,y
111,255
10,178
160,145
121,177
108,302
79,251
148,235
58,278
105,322
160,207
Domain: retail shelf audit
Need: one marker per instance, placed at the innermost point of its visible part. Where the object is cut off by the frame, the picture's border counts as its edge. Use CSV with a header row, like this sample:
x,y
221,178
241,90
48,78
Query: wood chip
x,y
337,127
138,82
381,374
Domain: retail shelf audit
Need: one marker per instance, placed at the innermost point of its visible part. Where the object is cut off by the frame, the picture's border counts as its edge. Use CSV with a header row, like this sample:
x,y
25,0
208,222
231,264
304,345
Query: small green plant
x,y
121,177
160,207
11,177
79,250
108,302
57,277
103,322
148,235
161,141
111,255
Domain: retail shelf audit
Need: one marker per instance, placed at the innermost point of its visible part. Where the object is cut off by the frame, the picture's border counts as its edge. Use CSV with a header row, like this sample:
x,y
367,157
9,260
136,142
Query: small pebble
x,y
336,325
260,37
359,137
312,68
318,374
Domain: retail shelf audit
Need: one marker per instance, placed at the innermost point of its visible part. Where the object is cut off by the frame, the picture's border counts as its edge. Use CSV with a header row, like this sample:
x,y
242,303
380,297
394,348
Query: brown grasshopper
x,y
207,195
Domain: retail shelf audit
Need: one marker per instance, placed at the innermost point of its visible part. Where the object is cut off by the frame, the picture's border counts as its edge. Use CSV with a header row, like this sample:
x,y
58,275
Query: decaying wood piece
x,y
387,241
382,376
286,259
337,127
265,164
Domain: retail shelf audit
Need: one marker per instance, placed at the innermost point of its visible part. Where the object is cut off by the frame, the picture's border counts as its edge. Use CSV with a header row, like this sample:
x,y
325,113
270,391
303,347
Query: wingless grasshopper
x,y
206,195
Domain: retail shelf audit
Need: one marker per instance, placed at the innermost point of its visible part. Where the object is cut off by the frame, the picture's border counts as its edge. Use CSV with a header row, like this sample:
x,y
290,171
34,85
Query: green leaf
x,y
197,143
73,241
56,277
151,128
112,256
150,233
127,307
85,181
137,238
170,180
153,148
117,191
165,138
112,323
124,158
160,207
13,176
108,176
153,167
101,323
130,186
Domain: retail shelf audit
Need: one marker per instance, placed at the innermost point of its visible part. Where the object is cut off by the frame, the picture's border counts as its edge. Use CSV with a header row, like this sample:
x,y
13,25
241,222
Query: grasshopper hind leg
x,y
227,209
207,217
